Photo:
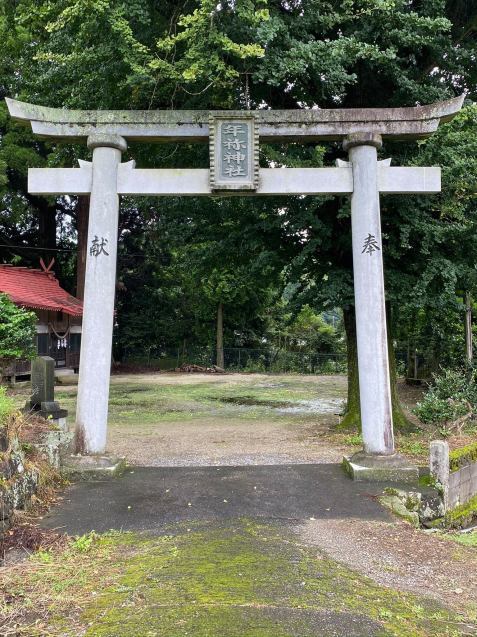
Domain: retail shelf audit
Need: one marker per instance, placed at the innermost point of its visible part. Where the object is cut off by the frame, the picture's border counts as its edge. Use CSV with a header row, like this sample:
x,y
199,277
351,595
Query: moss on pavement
x,y
242,578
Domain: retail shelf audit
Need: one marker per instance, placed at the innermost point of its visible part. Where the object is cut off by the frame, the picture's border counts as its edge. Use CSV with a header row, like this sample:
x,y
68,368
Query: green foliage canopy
x,y
258,54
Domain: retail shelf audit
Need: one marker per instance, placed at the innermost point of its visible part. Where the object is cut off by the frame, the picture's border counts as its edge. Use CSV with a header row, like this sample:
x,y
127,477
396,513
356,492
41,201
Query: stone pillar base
x,y
363,467
94,467
52,411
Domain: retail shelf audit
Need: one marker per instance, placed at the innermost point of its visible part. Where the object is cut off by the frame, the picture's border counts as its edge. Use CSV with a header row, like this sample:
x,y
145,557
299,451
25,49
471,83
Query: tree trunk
x,y
47,229
468,329
400,421
220,336
352,417
82,216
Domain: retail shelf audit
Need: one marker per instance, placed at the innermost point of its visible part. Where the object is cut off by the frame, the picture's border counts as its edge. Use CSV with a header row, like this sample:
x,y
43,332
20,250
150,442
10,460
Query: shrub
x,y
17,331
255,365
452,396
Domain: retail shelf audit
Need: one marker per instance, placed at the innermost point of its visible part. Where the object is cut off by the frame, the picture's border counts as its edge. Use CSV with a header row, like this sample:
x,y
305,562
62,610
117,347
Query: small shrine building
x,y
59,314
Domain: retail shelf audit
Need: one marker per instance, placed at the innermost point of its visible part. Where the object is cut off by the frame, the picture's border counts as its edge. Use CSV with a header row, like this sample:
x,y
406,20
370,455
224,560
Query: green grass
x,y
7,406
144,402
412,444
466,539
235,579
355,440
204,580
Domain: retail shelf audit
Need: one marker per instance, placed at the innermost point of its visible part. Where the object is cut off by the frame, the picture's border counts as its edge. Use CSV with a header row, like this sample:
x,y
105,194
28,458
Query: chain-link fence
x,y
414,361
411,363
417,361
241,359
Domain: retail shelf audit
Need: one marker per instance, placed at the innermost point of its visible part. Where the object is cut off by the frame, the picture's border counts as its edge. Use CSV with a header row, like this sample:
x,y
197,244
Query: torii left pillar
x,y
100,285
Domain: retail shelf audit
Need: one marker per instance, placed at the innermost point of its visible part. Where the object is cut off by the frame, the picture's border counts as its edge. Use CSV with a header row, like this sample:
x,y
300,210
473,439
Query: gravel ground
x,y
398,556
205,442
392,554
234,434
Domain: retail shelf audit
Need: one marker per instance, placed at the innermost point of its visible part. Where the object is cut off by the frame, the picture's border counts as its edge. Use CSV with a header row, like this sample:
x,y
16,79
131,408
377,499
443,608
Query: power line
x,y
37,249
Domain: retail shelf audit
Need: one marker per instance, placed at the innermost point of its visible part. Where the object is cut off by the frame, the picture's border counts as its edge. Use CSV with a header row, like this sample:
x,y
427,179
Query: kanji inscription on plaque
x,y
233,152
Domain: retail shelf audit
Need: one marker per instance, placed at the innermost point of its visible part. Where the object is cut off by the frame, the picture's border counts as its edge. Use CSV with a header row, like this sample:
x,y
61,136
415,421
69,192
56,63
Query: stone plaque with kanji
x,y
233,152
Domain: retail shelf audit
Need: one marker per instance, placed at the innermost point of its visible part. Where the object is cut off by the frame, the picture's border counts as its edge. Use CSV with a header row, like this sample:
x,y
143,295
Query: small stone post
x,y
42,399
42,381
98,307
373,363
439,467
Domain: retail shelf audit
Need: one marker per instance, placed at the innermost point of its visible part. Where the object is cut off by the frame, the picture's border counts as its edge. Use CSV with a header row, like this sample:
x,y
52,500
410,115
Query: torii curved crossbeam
x,y
279,125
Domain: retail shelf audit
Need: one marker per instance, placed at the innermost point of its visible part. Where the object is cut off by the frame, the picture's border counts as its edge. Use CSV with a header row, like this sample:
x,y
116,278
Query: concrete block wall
x,y
458,485
462,485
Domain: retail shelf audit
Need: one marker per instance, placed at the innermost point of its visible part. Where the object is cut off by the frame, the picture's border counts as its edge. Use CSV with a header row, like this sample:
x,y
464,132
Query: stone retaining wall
x,y
18,482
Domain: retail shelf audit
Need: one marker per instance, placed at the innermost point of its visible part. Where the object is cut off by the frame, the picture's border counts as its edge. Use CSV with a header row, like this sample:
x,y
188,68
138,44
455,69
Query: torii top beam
x,y
273,125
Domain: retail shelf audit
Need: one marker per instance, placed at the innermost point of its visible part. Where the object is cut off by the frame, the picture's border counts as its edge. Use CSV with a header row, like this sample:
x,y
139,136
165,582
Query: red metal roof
x,y
37,289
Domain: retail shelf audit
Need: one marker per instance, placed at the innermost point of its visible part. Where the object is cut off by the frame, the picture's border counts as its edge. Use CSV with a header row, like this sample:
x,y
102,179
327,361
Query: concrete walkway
x,y
237,552
147,498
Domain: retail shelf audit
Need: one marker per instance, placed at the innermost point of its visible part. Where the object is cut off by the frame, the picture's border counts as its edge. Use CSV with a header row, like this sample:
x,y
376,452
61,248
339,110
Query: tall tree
x,y
277,54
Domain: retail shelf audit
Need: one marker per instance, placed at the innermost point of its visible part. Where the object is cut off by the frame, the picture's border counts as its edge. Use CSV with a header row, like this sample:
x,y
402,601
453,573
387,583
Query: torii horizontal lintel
x,y
196,182
273,125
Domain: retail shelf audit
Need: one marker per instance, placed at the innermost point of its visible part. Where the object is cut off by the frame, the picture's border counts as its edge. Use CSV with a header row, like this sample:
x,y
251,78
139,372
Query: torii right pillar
x,y
379,461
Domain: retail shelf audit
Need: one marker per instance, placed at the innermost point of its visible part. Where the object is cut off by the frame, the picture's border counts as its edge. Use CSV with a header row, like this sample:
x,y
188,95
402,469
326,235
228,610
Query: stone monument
x,y
42,400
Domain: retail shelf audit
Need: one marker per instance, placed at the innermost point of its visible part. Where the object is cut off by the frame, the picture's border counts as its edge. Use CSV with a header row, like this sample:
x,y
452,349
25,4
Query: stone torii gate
x,y
233,138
